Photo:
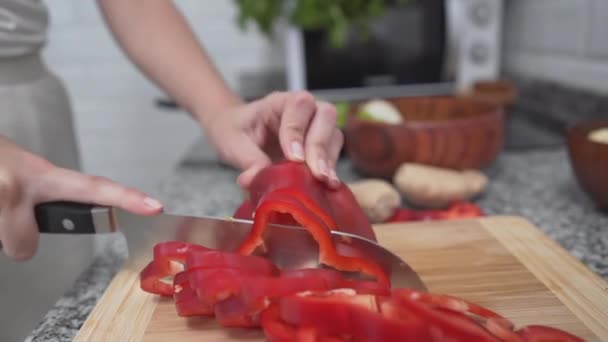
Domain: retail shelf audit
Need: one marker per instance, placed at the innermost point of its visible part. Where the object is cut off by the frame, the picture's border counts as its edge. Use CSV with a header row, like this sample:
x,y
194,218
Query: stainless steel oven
x,y
422,48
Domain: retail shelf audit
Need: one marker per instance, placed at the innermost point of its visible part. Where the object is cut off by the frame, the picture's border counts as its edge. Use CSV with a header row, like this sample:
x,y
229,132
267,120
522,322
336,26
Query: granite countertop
x,y
536,184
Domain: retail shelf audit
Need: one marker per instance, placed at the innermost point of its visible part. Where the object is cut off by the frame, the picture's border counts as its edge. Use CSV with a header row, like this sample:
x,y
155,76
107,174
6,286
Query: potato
x,y
378,198
434,187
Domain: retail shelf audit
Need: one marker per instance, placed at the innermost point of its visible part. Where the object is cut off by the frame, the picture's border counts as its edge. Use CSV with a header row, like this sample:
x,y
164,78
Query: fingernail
x,y
333,176
323,169
152,203
297,151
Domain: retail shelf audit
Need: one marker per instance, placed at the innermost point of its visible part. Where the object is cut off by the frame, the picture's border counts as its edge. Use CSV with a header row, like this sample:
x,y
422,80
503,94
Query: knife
x,y
287,246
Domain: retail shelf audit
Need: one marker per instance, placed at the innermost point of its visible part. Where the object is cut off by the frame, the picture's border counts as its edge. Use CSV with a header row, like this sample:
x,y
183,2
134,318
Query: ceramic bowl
x,y
589,159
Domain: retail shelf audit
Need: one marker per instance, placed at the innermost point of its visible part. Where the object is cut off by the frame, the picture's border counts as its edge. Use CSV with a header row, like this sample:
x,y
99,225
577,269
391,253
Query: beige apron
x,y
35,113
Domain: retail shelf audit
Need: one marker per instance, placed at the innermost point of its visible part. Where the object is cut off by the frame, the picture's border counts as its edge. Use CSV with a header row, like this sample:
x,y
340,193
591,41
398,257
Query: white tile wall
x,y
547,26
558,40
598,38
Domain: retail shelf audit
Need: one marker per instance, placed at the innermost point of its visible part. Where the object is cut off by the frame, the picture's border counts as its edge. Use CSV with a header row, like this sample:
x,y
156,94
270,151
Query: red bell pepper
x,y
538,333
338,205
186,301
275,202
169,259
244,211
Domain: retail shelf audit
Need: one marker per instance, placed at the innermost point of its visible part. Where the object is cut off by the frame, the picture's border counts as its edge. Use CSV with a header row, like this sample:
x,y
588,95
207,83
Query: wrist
x,y
207,109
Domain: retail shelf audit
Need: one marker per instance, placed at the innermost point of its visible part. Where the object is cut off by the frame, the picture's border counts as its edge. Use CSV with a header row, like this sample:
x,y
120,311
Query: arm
x,y
157,38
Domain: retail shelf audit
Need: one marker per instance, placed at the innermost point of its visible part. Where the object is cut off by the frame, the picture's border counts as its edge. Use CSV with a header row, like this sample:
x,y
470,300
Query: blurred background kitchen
x,y
544,62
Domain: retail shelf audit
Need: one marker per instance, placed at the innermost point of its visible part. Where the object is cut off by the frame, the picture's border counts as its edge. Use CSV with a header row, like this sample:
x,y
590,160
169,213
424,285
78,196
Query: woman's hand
x,y
283,124
26,180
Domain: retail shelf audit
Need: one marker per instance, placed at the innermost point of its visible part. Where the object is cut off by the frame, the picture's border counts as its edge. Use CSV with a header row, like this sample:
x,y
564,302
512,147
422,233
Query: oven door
x,y
404,54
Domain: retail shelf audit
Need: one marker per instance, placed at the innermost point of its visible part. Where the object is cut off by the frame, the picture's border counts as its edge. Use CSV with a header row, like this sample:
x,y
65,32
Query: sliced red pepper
x,y
274,328
281,203
229,260
498,325
345,313
152,279
539,333
186,301
331,277
447,324
366,287
216,284
455,304
256,293
169,259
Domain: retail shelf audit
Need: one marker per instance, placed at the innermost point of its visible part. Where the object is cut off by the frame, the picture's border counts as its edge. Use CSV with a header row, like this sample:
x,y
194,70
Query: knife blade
x,y
287,246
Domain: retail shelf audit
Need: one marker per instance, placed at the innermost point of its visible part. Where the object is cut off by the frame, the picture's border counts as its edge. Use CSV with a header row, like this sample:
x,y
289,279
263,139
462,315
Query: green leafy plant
x,y
335,17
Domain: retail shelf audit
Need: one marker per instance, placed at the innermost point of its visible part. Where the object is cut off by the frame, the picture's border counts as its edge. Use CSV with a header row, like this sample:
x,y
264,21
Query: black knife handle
x,y
65,218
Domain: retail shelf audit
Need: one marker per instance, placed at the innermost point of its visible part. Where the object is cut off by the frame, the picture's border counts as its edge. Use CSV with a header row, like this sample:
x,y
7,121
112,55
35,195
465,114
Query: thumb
x,y
68,185
246,177
246,155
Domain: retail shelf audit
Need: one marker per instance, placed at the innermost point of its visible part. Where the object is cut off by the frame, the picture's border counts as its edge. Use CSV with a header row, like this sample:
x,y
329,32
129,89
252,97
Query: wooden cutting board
x,y
503,263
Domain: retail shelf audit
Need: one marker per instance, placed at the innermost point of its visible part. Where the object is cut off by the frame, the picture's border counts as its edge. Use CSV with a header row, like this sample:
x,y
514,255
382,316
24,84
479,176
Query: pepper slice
x,y
187,303
448,324
498,325
274,328
282,203
169,259
255,293
216,284
228,260
359,317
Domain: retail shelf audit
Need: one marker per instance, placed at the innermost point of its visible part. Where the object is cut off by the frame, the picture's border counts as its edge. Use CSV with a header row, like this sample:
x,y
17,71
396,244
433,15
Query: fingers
x,y
321,152
251,159
69,185
247,176
335,147
18,234
299,111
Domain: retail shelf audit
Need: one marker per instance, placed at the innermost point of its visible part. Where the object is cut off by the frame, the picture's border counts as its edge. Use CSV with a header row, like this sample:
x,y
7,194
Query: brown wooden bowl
x,y
451,132
589,160
501,93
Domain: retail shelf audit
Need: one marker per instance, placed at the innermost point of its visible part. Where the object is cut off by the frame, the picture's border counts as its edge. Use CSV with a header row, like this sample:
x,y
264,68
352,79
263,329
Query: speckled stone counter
x,y
538,185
